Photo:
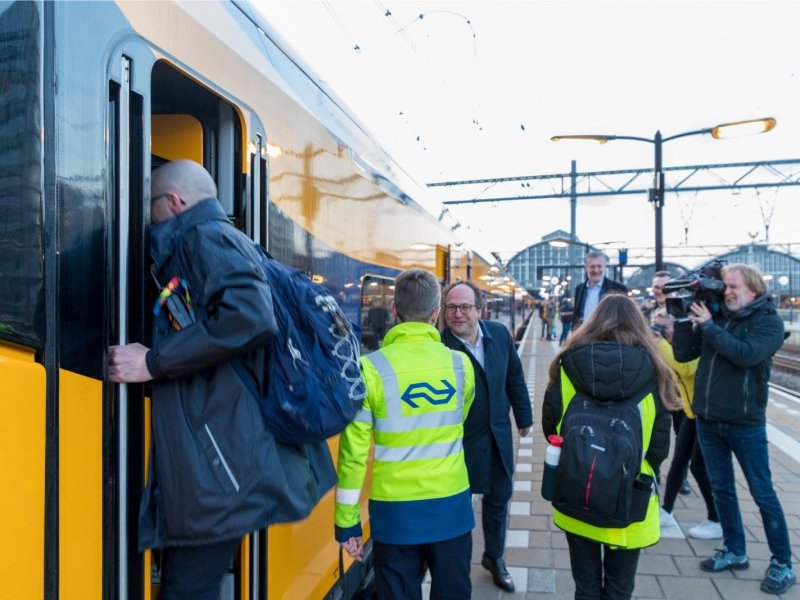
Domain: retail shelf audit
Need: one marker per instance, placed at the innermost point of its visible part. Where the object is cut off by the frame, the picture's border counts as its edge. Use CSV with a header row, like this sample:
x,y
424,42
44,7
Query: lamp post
x,y
734,129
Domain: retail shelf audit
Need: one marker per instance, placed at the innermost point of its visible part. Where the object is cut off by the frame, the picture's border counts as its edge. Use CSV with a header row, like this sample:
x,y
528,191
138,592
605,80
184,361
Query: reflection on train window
x,y
377,294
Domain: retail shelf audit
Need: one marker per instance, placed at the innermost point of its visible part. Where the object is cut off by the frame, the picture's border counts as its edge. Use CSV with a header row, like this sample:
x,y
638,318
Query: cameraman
x,y
735,347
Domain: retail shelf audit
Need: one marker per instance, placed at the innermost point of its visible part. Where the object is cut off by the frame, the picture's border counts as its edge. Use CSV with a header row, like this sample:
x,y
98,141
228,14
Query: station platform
x,y
536,550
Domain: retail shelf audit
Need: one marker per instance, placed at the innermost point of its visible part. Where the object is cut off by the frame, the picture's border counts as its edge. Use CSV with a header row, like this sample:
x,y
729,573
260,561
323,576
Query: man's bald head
x,y
184,178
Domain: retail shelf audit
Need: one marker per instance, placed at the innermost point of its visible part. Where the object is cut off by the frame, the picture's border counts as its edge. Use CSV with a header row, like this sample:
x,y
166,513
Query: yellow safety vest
x,y
636,535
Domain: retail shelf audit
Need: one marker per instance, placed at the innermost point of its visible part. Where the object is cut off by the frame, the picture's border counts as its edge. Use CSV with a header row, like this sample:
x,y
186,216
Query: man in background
x,y
597,285
566,311
499,389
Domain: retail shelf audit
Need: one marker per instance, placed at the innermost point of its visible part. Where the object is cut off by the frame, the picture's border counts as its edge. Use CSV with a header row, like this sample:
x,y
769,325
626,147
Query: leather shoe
x,y
500,575
685,490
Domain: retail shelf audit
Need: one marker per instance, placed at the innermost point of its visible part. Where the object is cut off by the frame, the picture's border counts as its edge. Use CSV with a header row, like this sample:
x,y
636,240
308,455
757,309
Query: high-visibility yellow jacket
x,y
683,374
418,395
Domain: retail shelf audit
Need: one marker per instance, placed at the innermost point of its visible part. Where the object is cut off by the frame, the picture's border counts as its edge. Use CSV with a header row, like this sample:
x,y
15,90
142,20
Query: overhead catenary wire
x,y
353,43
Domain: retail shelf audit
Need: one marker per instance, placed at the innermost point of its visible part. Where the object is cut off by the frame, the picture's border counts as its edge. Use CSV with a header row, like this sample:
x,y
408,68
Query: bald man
x,y
213,476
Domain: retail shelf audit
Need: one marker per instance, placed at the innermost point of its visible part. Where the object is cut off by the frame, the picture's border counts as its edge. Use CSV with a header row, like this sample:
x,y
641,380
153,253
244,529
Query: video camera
x,y
704,285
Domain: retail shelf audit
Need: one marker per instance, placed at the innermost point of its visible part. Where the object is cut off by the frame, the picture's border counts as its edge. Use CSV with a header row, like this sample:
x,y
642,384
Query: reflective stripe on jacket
x,y
418,395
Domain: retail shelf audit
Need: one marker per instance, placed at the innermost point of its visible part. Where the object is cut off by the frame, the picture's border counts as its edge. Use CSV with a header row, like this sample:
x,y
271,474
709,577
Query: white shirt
x,y
592,298
477,349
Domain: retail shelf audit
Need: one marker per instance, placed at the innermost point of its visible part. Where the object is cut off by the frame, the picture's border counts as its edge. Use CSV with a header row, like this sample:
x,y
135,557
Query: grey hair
x,y
417,294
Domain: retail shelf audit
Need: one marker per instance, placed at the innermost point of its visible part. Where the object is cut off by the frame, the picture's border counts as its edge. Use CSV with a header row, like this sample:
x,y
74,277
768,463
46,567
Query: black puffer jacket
x,y
609,371
217,473
735,350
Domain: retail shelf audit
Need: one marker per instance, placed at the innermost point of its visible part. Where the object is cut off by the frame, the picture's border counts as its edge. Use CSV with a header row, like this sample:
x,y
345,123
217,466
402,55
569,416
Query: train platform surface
x,y
536,550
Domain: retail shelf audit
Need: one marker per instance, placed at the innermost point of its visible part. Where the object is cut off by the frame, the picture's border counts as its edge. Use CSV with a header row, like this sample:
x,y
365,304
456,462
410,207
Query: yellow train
x,y
92,96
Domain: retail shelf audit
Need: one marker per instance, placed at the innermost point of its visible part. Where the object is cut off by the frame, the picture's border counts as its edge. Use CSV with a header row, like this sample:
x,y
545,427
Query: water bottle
x,y
551,456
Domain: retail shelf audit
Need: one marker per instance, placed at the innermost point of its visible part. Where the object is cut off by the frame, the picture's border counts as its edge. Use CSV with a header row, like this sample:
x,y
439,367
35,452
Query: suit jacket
x,y
499,388
609,285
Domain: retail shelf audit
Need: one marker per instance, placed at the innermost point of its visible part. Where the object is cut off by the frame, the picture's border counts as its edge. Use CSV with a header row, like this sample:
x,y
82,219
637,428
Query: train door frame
x,y
125,406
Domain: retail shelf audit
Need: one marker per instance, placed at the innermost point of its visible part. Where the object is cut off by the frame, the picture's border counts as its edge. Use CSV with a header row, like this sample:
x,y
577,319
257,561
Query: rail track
x,y
787,361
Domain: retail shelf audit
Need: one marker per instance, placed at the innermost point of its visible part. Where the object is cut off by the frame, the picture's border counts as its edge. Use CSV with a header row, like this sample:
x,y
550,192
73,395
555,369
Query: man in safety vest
x,y
418,395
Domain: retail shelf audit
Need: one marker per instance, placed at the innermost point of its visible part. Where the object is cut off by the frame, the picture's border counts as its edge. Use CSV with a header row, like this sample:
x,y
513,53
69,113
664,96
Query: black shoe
x,y
685,489
500,575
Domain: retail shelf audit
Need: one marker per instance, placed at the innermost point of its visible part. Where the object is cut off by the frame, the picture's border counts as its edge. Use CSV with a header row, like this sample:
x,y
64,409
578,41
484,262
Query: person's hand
x,y
663,327
127,364
699,313
355,548
524,431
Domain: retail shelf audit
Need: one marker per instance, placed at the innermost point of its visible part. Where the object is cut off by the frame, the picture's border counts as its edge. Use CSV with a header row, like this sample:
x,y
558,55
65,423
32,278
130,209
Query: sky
x,y
469,90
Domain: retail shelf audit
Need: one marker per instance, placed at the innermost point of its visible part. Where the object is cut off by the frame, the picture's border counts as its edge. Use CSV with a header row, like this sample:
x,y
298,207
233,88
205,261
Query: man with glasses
x,y
499,388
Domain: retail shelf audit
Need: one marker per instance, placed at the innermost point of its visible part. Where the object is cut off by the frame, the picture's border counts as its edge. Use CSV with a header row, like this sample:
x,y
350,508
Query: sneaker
x,y
666,519
725,560
685,489
778,578
707,530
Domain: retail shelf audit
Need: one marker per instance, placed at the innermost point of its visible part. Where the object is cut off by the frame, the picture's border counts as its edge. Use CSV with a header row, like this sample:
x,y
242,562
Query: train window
x,y
377,294
190,121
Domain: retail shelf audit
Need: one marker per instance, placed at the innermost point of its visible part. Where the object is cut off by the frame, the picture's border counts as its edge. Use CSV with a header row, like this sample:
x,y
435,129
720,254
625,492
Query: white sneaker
x,y
707,530
666,519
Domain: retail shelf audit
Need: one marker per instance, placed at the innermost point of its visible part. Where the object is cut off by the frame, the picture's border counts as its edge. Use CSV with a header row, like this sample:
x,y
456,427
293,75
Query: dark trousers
x,y
399,569
195,572
601,573
687,452
494,508
566,327
678,416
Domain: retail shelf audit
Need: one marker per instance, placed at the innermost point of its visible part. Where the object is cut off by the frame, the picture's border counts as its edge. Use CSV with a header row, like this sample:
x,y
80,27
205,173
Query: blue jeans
x,y
719,441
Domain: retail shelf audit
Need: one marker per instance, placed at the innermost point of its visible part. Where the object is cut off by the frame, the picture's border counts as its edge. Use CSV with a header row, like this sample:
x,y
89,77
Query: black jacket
x,y
609,371
499,388
609,285
735,350
216,472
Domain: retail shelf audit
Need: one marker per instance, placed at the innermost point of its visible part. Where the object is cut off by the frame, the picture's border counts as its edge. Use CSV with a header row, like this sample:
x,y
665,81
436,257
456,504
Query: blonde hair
x,y
753,278
618,319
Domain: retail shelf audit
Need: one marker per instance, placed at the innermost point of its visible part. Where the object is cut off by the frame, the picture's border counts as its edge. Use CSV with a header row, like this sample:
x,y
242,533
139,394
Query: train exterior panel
x,y
93,95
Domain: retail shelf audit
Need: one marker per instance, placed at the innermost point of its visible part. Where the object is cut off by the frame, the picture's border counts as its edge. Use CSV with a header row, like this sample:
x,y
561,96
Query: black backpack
x,y
314,378
598,480
313,373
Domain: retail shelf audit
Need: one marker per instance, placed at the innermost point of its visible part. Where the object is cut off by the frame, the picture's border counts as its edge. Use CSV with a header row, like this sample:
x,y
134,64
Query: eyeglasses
x,y
452,309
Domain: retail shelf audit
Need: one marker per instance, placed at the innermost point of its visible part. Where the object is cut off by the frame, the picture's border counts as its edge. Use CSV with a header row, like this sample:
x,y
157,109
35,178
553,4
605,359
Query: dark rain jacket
x,y
499,389
735,350
216,472
609,371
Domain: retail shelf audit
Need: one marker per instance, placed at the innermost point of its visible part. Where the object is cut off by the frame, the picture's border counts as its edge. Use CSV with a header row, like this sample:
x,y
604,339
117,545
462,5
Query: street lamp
x,y
725,130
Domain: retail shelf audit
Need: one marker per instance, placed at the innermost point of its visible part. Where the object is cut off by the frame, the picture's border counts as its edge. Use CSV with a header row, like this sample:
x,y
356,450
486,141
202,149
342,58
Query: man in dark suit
x,y
597,285
499,388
